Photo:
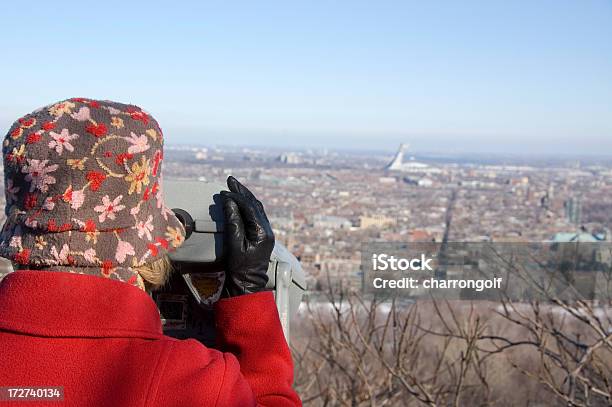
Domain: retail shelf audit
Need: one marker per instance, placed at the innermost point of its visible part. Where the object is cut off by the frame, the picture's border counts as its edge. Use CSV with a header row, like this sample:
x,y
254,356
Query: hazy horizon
x,y
427,144
441,154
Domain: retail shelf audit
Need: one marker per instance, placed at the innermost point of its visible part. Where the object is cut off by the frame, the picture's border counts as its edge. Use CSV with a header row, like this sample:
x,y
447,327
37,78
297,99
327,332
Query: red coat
x,y
102,341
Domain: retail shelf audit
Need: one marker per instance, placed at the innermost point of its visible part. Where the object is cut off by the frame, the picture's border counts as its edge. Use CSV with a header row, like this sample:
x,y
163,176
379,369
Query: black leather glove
x,y
248,241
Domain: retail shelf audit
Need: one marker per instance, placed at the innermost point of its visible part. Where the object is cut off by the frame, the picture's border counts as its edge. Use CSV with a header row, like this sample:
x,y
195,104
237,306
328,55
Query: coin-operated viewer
x,y
187,301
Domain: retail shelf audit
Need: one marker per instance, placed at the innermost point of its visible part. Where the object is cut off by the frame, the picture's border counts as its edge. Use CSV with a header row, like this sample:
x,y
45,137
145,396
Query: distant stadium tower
x,y
398,164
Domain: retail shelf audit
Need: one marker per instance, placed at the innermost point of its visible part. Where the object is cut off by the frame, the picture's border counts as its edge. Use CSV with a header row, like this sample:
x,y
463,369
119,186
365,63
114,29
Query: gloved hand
x,y
248,241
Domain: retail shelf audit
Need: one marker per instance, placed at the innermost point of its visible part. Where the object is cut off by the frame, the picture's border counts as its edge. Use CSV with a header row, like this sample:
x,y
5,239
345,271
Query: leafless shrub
x,y
356,351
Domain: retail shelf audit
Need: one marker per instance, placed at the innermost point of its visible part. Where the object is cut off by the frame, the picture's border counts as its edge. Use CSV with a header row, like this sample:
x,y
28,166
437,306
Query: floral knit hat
x,y
83,190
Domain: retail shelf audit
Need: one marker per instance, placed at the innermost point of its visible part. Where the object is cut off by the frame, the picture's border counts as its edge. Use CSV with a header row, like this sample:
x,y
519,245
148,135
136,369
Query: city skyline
x,y
529,147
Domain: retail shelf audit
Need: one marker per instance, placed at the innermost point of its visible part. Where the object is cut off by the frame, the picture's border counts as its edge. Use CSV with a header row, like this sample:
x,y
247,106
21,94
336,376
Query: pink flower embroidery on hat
x,y
140,143
78,198
38,174
145,228
123,250
62,256
49,204
74,198
90,255
82,115
109,208
62,141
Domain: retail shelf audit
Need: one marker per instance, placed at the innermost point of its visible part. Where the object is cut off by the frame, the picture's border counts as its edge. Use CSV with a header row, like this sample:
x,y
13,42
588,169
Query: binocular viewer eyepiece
x,y
186,220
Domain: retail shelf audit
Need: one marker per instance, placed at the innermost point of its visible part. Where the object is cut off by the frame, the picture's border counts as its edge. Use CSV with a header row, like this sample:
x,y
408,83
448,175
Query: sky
x,y
498,76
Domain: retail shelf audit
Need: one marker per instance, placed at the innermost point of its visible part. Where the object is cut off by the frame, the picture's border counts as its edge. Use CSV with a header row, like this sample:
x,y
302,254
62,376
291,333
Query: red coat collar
x,y
60,304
